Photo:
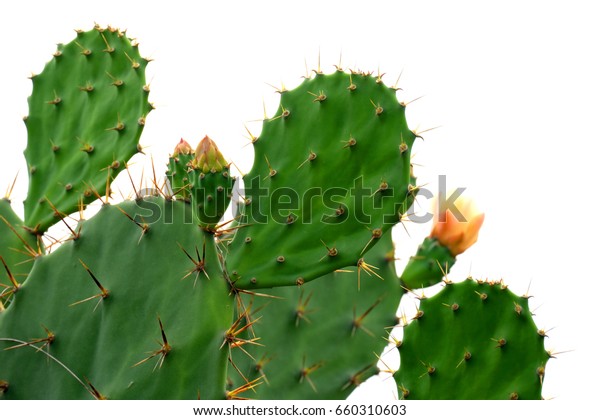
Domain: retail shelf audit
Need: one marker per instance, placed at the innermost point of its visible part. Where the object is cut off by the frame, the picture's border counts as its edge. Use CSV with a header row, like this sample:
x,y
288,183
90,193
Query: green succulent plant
x,y
159,297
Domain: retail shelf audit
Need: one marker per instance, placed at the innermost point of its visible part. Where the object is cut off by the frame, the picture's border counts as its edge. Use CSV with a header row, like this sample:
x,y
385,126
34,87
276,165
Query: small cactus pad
x,y
211,194
18,249
428,266
201,177
177,170
331,174
87,110
472,340
133,307
320,340
211,184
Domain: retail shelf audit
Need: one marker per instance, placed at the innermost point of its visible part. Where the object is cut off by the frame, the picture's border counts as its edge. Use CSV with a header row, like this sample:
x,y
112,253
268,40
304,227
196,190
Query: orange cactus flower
x,y
458,232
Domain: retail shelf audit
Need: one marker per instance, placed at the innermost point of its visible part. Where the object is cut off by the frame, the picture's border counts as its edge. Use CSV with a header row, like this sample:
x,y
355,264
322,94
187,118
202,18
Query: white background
x,y
513,85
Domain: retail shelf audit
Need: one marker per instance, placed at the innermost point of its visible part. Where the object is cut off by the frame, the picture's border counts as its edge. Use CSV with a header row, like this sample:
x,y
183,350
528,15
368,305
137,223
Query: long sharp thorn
x,y
238,169
306,371
62,219
249,385
11,187
159,189
413,100
252,293
165,349
162,332
141,184
132,219
81,208
307,73
444,271
319,62
61,364
186,253
154,179
198,252
418,134
395,86
235,366
104,291
367,245
31,251
356,378
12,279
107,188
92,390
95,192
227,222
388,369
358,322
252,136
368,268
131,180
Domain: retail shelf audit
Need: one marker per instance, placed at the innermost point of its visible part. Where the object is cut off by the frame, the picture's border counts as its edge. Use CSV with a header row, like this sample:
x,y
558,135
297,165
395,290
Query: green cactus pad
x,y
320,340
472,340
203,179
158,274
330,175
87,110
177,174
18,249
211,194
428,266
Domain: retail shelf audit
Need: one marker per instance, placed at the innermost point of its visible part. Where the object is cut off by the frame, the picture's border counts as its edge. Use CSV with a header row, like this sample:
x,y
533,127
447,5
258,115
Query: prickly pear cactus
x,y
472,340
133,307
87,110
18,250
142,302
330,175
321,340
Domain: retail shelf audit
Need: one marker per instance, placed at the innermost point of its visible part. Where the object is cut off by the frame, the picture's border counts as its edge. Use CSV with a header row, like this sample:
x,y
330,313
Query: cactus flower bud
x,y
208,156
454,230
183,148
457,235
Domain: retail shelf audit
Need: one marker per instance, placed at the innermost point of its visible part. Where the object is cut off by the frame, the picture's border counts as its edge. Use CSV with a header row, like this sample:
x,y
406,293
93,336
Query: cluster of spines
x,y
18,250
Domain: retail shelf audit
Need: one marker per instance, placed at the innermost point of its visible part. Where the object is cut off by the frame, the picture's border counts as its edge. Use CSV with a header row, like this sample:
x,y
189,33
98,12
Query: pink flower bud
x,y
208,157
183,148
